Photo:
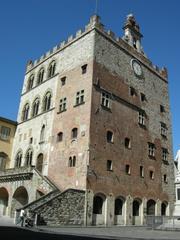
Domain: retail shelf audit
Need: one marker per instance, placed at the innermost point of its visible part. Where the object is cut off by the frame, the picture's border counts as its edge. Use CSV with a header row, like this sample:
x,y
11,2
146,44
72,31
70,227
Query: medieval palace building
x,y
93,140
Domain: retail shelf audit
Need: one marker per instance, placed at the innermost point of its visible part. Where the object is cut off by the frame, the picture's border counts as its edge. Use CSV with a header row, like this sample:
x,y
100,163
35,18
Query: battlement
x,y
95,23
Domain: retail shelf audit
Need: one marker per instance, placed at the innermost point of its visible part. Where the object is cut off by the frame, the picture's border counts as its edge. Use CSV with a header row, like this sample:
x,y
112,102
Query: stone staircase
x,y
58,208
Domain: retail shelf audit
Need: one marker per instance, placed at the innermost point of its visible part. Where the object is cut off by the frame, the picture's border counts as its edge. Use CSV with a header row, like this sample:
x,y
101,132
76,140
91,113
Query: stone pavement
x,y
6,221
121,232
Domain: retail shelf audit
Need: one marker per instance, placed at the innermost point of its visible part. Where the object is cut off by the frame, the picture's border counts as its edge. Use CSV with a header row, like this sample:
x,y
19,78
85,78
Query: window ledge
x,y
76,105
62,111
142,125
106,108
152,157
165,162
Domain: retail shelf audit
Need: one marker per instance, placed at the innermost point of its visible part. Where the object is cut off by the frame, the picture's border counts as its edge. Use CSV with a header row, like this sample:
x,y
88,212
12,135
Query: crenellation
x,y
111,34
79,33
70,38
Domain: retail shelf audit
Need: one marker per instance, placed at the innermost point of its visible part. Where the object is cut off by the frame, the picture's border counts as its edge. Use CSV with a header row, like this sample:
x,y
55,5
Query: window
x,y
98,205
28,158
165,178
141,171
132,92
25,112
143,97
164,154
127,169
127,143
142,118
74,133
109,165
105,100
51,69
30,82
84,69
80,97
18,160
5,133
40,76
72,161
47,102
31,140
60,136
109,136
42,134
118,210
35,107
178,194
62,105
151,150
163,130
151,174
63,81
162,108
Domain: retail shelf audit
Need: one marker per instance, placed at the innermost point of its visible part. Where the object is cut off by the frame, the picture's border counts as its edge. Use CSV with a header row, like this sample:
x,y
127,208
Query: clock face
x,y
137,68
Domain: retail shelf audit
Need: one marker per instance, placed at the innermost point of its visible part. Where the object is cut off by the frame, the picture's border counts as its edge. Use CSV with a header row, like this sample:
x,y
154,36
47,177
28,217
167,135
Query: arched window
x,y
35,107
109,136
42,134
60,137
39,163
151,207
118,206
98,205
25,112
136,208
30,82
51,69
28,157
47,102
72,161
74,133
163,208
40,76
18,159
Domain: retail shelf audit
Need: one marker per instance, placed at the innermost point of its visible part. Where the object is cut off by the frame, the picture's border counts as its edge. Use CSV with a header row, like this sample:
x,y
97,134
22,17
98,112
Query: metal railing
x,y
163,222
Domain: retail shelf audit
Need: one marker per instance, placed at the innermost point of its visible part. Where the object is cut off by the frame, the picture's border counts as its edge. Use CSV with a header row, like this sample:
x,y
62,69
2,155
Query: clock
x,y
136,67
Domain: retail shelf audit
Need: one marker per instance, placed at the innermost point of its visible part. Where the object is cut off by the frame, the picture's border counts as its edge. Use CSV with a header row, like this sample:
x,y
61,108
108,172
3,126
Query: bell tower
x,y
132,33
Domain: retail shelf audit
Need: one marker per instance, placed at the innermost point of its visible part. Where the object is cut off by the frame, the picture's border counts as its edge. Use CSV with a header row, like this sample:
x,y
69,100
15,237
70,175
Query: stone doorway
x,y
19,199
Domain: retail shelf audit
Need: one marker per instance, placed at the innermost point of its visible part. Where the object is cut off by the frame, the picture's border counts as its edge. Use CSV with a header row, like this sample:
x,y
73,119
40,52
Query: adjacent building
x,y
94,133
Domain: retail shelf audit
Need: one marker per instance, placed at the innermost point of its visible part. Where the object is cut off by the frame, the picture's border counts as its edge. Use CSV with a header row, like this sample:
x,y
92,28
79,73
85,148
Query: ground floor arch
x,y
19,199
99,201
151,207
4,198
164,206
136,211
119,211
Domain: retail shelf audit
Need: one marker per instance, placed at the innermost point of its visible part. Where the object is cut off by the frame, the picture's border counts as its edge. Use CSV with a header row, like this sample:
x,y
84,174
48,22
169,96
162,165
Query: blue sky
x,y
30,28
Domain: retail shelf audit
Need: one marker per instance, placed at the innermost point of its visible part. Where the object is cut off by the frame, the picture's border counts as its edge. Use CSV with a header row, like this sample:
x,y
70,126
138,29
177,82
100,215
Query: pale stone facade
x,y
104,131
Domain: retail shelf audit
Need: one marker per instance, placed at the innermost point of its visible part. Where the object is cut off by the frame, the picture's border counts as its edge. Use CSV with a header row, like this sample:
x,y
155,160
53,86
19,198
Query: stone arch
x,y
51,69
4,197
119,210
99,201
47,100
19,199
40,76
164,206
136,211
39,162
18,159
151,207
35,106
28,157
